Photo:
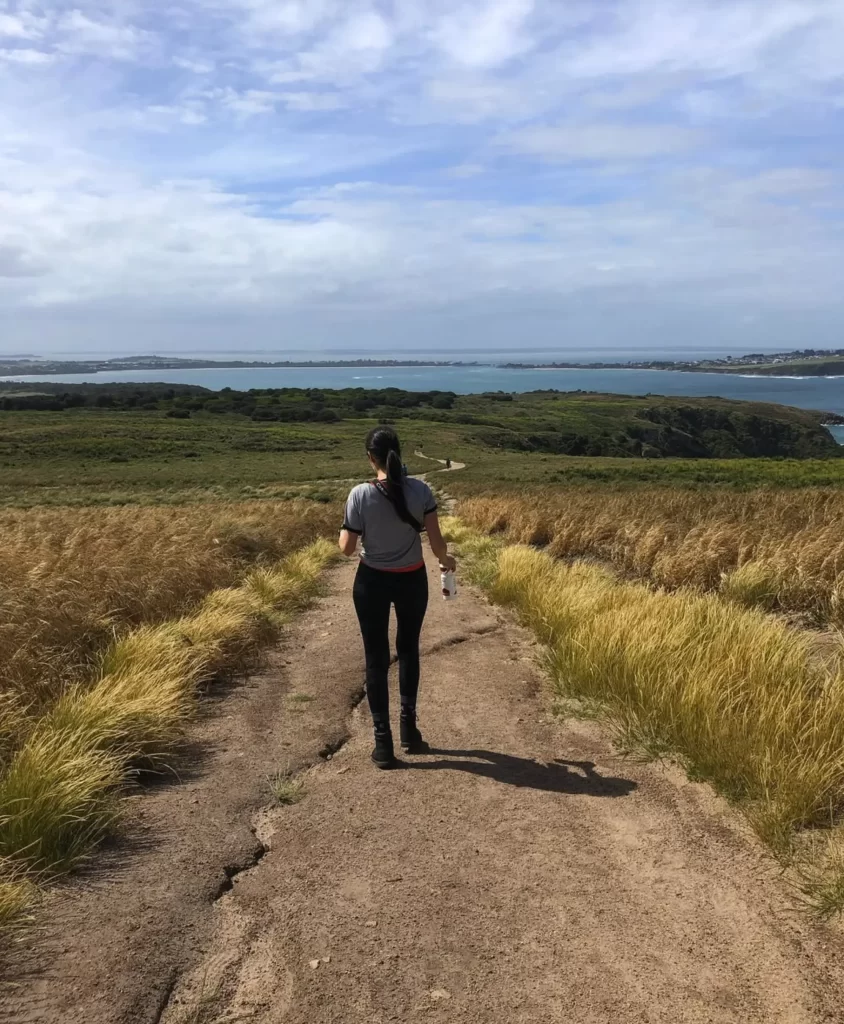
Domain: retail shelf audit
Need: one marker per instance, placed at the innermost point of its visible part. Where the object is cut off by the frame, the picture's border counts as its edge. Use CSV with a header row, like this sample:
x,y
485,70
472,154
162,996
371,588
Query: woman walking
x,y
389,514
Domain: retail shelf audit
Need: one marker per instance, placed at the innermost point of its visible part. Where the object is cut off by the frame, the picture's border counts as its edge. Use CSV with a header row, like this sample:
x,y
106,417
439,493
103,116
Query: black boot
x,y
382,753
409,734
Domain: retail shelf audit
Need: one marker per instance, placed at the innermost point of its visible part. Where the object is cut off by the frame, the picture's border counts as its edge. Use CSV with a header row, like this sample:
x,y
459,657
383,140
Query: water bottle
x,y
449,584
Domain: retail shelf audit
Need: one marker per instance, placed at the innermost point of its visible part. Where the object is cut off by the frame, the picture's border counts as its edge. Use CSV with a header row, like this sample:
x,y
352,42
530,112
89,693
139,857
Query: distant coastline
x,y
802,363
31,366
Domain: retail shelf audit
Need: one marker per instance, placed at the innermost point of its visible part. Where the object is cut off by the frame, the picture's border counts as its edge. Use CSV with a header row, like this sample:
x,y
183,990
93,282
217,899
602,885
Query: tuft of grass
x,y
821,877
738,697
285,789
59,793
479,551
17,895
753,585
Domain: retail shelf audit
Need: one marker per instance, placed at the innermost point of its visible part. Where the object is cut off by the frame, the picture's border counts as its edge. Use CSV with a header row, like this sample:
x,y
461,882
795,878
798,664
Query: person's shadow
x,y
555,777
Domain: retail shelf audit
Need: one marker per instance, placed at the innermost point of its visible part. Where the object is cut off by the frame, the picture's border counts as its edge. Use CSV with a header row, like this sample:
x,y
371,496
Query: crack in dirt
x,y
261,849
166,996
231,871
461,638
453,641
333,746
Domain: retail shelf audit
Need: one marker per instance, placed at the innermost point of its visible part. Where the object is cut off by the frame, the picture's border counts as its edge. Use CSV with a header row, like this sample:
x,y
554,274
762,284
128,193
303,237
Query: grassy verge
x,y
72,581
781,550
739,698
59,792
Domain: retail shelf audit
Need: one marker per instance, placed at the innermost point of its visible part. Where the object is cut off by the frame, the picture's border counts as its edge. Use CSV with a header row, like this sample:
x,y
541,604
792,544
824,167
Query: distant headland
x,y
31,365
799,363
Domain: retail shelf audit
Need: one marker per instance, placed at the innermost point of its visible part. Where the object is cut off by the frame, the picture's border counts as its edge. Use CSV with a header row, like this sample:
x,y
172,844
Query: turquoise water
x,y
826,393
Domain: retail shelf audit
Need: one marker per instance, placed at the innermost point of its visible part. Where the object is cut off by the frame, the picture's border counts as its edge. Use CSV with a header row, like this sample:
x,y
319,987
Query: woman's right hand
x,y
448,563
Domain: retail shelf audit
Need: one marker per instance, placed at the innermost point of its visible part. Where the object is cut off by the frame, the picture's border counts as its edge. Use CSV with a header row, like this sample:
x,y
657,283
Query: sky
x,y
404,174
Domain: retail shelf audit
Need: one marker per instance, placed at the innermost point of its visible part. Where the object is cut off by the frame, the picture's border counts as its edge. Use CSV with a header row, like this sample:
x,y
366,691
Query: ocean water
x,y
824,393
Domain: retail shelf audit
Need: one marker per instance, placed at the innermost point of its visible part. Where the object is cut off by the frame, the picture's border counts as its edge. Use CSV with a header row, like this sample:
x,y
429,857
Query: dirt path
x,y
520,872
446,468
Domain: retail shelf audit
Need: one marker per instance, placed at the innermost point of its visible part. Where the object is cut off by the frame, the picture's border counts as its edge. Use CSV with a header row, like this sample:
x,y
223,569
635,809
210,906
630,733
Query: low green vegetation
x,y
649,427
489,472
187,444
92,456
286,789
805,362
817,366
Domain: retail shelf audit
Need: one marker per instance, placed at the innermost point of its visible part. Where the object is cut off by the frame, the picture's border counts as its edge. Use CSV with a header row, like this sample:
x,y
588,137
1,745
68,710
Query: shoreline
x,y
73,368
675,369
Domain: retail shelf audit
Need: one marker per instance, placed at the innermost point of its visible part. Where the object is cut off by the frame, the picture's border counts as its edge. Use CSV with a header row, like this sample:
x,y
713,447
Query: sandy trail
x,y
446,469
519,872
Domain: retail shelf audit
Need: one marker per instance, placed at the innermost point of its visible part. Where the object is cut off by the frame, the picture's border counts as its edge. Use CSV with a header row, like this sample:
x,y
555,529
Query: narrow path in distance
x,y
446,469
521,871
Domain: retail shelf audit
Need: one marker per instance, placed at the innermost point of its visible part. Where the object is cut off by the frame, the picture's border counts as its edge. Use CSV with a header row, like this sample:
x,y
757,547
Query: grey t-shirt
x,y
388,542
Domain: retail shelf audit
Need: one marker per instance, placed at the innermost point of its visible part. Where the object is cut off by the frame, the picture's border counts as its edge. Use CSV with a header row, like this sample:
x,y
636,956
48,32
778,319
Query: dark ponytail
x,y
382,444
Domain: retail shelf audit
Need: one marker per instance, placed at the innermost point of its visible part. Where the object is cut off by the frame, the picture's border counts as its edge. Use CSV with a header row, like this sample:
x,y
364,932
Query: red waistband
x,y
404,568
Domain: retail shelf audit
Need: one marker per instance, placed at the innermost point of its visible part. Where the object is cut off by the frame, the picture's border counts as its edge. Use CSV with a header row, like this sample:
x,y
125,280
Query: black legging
x,y
374,591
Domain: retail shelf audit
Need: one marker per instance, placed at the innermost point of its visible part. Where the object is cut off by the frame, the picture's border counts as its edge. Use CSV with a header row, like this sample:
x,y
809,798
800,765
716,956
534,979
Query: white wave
x,y
770,376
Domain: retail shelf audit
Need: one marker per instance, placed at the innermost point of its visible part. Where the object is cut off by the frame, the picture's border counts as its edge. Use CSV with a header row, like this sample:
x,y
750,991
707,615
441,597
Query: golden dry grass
x,y
74,579
59,791
737,695
110,619
775,549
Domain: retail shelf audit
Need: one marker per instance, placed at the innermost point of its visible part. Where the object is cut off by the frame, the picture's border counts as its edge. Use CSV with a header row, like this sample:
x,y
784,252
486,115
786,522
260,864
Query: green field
x,y
488,472
99,456
103,444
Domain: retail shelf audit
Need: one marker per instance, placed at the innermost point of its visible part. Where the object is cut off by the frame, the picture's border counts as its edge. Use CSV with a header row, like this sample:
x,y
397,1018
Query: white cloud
x,y
79,34
466,99
161,116
369,246
313,101
487,34
25,55
602,141
23,25
16,262
659,146
198,67
466,170
730,37
250,102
